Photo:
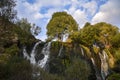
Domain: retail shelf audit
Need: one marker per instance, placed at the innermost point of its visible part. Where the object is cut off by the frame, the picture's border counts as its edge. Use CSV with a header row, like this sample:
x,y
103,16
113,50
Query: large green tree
x,y
61,23
100,32
116,41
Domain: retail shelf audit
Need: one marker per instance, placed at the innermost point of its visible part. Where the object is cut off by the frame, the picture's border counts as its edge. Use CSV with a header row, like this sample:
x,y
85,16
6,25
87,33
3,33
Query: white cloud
x,y
109,12
38,15
80,17
33,14
91,7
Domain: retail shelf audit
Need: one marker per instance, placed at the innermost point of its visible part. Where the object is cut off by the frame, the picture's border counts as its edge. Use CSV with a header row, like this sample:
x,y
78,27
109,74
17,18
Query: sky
x,y
93,11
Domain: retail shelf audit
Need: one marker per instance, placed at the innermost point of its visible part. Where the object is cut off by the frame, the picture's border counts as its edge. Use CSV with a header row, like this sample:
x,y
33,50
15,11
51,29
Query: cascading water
x,y
64,37
101,75
26,54
60,51
33,53
82,51
96,70
45,52
104,64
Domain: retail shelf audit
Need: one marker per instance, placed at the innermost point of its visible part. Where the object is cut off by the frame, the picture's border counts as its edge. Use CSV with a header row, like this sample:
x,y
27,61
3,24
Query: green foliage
x,y
116,41
107,32
27,27
61,23
56,66
47,76
76,37
96,49
16,69
55,47
117,61
114,76
24,25
100,32
79,70
117,54
12,51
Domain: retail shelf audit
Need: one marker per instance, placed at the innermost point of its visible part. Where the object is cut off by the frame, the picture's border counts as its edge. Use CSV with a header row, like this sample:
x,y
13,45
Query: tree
x,y
101,32
116,41
27,27
61,23
7,11
107,32
35,30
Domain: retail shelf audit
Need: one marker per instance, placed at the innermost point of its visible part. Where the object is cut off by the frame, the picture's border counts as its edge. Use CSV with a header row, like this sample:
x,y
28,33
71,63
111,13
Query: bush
x,y
16,69
114,76
78,70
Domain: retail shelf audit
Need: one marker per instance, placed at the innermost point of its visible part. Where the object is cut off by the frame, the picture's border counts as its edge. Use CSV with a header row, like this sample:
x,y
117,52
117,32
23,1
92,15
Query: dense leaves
x,y
100,32
7,11
78,70
115,41
61,23
16,69
28,27
71,65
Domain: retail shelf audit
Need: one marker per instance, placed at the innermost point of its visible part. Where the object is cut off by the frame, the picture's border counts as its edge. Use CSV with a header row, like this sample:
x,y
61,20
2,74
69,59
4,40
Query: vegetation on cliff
x,y
79,55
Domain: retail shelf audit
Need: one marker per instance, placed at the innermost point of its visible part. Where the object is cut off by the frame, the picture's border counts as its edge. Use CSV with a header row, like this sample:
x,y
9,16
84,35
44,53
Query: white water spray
x,y
25,54
33,53
82,51
104,64
60,51
45,52
96,70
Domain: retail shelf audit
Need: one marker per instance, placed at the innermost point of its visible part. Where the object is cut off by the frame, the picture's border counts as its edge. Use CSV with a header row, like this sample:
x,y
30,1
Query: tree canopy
x,y
61,23
100,32
7,11
28,27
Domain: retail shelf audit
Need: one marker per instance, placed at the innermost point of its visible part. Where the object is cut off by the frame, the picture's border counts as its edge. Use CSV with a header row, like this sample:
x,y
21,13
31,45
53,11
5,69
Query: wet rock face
x,y
39,57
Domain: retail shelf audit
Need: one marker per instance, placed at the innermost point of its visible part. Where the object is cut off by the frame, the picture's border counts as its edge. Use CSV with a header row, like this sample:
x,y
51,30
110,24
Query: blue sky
x,y
93,11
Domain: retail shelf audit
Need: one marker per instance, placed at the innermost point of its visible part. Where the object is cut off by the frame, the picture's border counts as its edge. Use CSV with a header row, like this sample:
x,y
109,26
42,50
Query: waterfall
x,y
65,37
82,51
46,52
33,53
104,64
25,54
31,58
60,51
96,70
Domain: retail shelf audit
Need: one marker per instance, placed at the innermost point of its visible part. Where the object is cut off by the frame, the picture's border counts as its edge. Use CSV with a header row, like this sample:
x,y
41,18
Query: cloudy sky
x,y
93,11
